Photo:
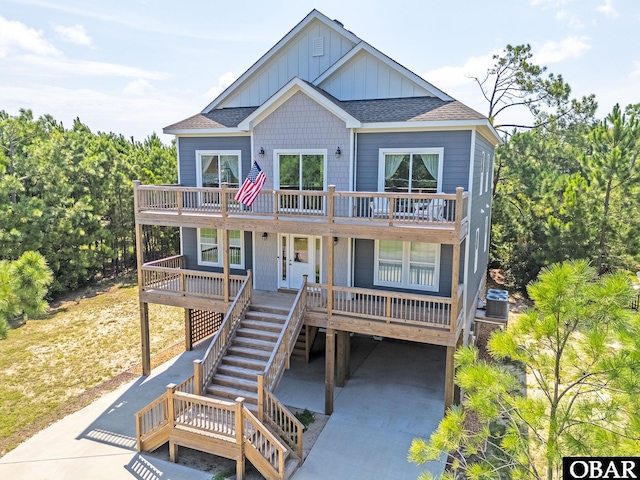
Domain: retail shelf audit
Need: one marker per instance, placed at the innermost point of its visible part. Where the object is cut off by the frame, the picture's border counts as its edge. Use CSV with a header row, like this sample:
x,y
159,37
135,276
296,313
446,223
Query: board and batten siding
x,y
365,77
189,145
364,264
296,59
456,144
301,123
190,252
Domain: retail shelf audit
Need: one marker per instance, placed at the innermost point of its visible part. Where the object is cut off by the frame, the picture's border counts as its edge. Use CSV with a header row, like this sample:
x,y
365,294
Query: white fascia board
x,y
273,51
483,125
294,86
364,46
207,132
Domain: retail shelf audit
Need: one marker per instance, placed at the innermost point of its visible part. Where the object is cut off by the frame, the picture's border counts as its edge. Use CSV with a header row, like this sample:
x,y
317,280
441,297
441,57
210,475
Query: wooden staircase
x,y
247,356
227,407
304,344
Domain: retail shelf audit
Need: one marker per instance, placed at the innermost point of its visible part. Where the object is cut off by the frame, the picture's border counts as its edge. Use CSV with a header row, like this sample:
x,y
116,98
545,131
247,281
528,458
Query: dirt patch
x,y
220,467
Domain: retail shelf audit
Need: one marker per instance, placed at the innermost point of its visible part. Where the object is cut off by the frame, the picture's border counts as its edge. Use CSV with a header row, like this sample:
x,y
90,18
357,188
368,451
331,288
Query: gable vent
x,y
318,47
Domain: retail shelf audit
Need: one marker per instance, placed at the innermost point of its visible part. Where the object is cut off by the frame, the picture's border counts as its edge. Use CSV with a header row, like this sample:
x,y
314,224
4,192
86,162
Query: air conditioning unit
x,y
497,303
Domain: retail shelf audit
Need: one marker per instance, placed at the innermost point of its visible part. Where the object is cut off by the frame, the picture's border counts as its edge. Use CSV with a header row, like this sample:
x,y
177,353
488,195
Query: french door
x,y
299,255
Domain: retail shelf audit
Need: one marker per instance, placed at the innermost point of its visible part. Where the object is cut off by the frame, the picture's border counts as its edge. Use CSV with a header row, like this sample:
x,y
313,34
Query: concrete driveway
x,y
395,394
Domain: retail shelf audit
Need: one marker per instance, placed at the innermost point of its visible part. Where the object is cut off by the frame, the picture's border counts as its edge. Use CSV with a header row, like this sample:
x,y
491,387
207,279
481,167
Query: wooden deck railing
x,y
151,420
168,276
261,447
389,307
278,417
204,368
378,207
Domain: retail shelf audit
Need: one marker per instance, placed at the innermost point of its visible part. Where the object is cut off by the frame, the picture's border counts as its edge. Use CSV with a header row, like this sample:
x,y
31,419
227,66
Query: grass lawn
x,y
52,366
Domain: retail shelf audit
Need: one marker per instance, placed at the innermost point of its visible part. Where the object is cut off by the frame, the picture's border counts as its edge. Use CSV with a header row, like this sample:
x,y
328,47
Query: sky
x,y
133,67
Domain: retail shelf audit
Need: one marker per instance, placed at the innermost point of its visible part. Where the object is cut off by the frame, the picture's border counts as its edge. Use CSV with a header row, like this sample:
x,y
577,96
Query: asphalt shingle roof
x,y
410,109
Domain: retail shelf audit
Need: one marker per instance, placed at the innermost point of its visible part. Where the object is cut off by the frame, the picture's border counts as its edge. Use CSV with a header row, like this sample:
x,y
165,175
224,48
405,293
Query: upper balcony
x,y
427,217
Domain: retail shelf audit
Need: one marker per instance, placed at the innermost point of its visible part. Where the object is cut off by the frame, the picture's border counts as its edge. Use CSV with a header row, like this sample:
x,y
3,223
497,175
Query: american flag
x,y
251,186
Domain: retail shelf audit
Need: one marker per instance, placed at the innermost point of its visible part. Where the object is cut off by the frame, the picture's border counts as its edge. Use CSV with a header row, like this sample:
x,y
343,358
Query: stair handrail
x,y
151,419
282,351
279,418
270,453
203,368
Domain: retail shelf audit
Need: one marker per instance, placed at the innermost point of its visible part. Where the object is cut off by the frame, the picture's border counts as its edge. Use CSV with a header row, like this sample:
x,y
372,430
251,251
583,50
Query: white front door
x,y
299,255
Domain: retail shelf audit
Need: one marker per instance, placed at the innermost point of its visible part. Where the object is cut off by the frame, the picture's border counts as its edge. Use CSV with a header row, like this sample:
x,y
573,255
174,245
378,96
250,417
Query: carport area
x,y
395,393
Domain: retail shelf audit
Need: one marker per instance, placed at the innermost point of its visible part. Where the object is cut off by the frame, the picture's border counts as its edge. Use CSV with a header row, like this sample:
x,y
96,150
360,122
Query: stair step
x,y
247,363
237,372
230,393
250,353
270,317
240,383
257,334
262,325
291,465
269,310
254,344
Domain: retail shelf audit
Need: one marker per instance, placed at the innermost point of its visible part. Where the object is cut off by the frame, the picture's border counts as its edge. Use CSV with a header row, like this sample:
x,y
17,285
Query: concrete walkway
x,y
395,394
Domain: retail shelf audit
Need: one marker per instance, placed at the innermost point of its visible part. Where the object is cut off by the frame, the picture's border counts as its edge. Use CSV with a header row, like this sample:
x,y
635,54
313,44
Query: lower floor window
x,y
209,243
407,264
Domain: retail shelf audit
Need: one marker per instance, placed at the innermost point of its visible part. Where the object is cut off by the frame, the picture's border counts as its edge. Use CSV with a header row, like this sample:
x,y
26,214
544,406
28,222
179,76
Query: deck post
x,y
173,447
197,376
188,343
225,264
344,347
455,280
449,374
144,338
331,203
240,438
330,357
459,212
330,255
260,397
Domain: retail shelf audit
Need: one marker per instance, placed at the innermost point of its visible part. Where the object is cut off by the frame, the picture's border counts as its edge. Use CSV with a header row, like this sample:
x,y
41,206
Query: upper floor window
x,y
300,170
411,171
214,168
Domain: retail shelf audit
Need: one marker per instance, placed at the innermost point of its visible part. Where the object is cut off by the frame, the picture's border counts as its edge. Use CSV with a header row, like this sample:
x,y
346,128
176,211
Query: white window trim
x,y
477,248
486,180
200,153
219,263
406,247
486,232
481,173
408,151
298,151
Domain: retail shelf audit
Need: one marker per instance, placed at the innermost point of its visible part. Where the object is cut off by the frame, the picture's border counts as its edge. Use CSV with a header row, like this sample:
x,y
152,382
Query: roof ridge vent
x,y
338,22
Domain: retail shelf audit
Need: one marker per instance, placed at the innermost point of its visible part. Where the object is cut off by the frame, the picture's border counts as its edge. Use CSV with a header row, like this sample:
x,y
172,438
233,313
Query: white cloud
x,y
451,76
90,68
223,82
137,87
75,34
552,52
549,3
636,71
16,36
572,20
607,9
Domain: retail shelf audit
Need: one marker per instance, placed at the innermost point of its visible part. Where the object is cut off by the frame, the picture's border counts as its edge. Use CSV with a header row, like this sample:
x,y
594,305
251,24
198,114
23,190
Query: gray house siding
x,y
300,124
187,147
480,209
364,259
456,144
190,246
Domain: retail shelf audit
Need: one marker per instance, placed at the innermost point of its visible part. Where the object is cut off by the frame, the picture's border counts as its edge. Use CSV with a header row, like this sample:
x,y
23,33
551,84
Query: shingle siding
x,y
187,154
456,144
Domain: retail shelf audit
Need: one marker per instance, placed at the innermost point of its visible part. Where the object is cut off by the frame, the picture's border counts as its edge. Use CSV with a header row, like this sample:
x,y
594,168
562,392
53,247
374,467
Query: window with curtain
x,y
407,264
209,243
215,168
415,171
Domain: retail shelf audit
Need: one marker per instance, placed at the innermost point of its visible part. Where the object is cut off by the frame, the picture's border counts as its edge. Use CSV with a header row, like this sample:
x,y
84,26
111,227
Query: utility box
x,y
497,303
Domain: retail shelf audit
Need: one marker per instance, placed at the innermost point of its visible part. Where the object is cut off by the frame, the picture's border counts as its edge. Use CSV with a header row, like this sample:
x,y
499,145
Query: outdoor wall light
x,y
335,240
261,152
338,152
264,236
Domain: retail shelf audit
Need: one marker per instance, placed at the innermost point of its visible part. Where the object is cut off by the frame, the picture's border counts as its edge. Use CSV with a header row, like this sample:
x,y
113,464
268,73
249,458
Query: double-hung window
x,y
210,243
414,265
213,168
